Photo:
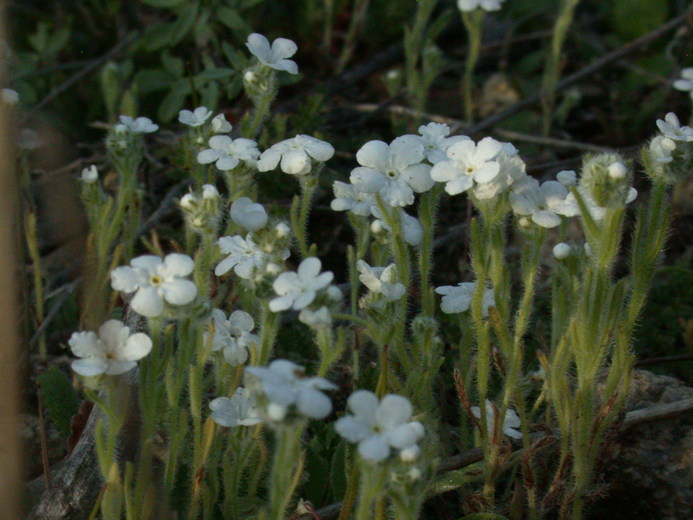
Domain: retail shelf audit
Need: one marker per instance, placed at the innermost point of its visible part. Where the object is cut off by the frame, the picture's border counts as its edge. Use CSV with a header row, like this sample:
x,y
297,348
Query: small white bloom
x,y
319,319
89,175
197,117
245,256
282,230
486,5
458,298
155,281
283,384
248,214
412,230
395,171
543,203
512,170
232,335
436,141
298,290
561,251
240,410
275,56
661,149
685,84
114,351
617,170
468,163
228,153
379,425
510,422
381,280
567,178
672,129
140,125
9,96
348,198
220,125
296,155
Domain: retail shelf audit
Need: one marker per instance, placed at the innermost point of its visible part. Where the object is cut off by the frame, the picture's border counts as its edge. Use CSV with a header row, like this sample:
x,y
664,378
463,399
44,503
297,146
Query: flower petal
x,y
147,302
179,292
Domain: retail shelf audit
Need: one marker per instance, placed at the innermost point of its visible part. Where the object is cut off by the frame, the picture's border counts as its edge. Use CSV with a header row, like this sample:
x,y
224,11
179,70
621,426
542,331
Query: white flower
x,y
567,178
298,290
220,125
412,230
661,149
510,422
394,171
240,410
141,125
468,163
248,214
348,198
512,170
319,319
89,175
155,281
486,5
197,117
458,298
561,251
686,82
275,56
672,129
381,280
245,256
114,351
296,155
543,203
9,96
283,384
232,335
227,153
436,141
377,426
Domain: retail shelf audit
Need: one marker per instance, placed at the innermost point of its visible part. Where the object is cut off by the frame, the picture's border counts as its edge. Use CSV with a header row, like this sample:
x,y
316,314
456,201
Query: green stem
x,y
473,23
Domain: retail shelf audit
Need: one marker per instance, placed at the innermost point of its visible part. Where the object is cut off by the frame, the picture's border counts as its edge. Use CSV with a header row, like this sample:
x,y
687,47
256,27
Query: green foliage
x,y
59,398
326,456
633,18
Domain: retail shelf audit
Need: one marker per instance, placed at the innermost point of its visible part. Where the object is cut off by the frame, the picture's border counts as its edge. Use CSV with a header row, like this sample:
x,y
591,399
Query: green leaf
x,y
172,64
231,19
171,105
214,74
163,3
633,18
58,398
152,80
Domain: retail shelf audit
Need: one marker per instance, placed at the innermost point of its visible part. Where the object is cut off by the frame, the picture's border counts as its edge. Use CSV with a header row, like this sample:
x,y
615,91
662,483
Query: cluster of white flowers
x,y
282,388
113,351
155,281
380,425
202,211
232,335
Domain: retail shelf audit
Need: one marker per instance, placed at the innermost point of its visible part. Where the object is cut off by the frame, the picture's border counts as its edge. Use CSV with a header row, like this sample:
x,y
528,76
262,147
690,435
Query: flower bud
x,y
561,251
606,180
282,230
617,170
89,175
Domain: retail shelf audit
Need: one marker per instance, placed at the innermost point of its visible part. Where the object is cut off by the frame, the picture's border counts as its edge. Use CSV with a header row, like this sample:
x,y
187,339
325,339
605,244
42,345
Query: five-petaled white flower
x,y
227,153
141,125
233,335
298,290
458,298
436,141
283,384
239,410
245,256
348,198
248,214
296,155
114,351
672,129
197,117
381,280
486,5
394,171
377,426
543,203
685,84
155,281
275,56
510,422
468,163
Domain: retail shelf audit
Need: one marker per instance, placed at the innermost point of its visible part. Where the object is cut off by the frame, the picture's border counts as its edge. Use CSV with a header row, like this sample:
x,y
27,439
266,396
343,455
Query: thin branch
x,y
582,73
